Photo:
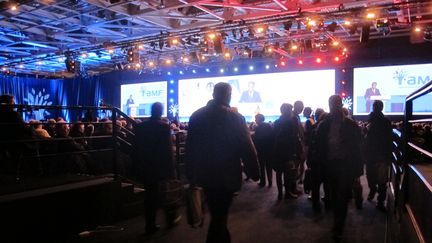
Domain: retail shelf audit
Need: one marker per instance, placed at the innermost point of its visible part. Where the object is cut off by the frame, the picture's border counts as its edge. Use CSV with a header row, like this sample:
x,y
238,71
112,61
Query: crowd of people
x,y
328,150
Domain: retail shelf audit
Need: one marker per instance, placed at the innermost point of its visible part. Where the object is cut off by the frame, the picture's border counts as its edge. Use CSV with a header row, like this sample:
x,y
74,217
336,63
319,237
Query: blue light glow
x,y
171,100
251,68
171,81
193,71
181,72
222,70
267,66
169,73
171,91
235,69
207,70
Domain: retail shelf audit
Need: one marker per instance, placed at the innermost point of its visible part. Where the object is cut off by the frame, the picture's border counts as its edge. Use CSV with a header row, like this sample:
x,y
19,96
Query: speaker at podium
x,y
132,110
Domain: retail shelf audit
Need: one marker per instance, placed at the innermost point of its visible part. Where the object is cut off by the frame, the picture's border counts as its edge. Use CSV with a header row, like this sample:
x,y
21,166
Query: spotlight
x,y
132,55
193,71
283,63
343,94
211,36
370,15
294,47
343,82
235,69
151,64
40,62
4,69
267,67
137,65
171,100
171,91
141,46
207,70
21,66
251,68
174,41
311,22
227,55
84,55
13,8
110,51
172,80
335,43
347,23
417,29
181,72
318,60
168,62
336,59
221,70
169,73
300,62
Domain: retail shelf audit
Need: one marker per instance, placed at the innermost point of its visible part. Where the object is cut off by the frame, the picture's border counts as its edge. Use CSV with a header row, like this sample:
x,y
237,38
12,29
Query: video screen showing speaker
x,y
391,84
260,93
137,99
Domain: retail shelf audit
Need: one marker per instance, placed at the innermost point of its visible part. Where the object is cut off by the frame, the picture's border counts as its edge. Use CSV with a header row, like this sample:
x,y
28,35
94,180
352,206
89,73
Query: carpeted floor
x,y
257,217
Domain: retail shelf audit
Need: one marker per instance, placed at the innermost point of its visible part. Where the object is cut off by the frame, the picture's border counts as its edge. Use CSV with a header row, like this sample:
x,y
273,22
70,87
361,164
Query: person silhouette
x,y
250,95
372,91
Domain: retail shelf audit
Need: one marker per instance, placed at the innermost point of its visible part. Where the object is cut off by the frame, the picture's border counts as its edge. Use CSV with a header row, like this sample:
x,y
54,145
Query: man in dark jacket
x,y
263,140
154,156
218,141
378,153
339,145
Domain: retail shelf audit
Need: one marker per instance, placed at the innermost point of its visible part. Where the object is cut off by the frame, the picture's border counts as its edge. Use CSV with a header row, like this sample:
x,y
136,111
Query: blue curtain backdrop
x,y
66,92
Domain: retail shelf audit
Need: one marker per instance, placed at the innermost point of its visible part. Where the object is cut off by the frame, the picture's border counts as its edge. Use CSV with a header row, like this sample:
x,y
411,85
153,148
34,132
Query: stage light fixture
x,y
211,36
4,69
221,70
335,43
300,62
141,46
110,51
169,73
287,25
207,70
193,71
181,72
174,41
343,94
336,59
14,8
417,29
172,80
343,82
227,55
84,55
311,23
168,62
150,64
267,67
260,29
171,100
318,60
251,68
137,65
283,63
332,27
171,91
235,69
294,47
347,23
21,66
370,15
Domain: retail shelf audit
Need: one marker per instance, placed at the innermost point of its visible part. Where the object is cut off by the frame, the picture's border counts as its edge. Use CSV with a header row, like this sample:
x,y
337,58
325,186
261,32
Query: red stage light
x,y
336,59
283,63
300,62
318,60
343,94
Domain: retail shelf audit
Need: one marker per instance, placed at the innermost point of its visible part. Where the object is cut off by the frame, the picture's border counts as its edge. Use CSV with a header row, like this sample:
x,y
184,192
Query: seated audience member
x,y
50,127
74,163
39,131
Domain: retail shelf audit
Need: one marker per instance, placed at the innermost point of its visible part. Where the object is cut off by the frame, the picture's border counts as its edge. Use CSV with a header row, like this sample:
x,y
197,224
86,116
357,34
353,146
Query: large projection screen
x,y
136,99
311,87
393,84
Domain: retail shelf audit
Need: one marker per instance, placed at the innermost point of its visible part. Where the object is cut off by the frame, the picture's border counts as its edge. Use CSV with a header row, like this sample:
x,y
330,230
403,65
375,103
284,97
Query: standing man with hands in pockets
x,y
218,142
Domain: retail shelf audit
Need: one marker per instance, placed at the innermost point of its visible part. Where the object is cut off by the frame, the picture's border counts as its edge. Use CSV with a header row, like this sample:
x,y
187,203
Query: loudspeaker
x,y
364,35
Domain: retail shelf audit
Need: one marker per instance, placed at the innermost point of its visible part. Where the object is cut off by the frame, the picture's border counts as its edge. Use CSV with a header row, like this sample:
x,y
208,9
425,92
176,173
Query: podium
x,y
383,98
133,110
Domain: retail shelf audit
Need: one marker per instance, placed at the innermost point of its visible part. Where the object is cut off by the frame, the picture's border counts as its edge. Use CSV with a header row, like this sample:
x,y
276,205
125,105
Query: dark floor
x,y
257,217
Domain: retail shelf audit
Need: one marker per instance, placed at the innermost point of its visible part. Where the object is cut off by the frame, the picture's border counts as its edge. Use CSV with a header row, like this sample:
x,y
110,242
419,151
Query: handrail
x,y
425,182
118,111
421,120
429,154
424,89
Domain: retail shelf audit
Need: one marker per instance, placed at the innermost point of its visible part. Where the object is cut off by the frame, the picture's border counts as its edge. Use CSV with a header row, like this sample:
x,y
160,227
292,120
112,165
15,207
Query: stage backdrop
x,y
65,92
392,85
